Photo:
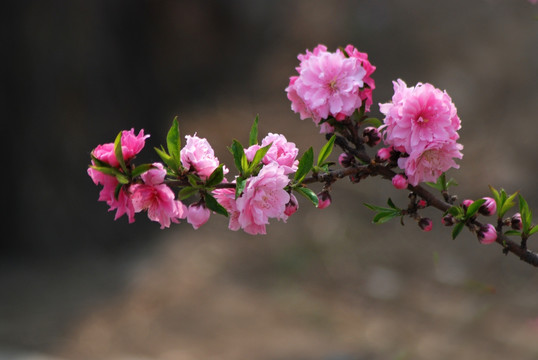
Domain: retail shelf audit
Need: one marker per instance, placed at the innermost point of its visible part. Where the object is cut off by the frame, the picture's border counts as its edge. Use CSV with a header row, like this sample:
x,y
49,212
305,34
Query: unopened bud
x,y
345,160
466,203
421,204
515,222
489,207
384,154
448,220
324,199
198,214
487,234
426,224
399,181
292,206
371,136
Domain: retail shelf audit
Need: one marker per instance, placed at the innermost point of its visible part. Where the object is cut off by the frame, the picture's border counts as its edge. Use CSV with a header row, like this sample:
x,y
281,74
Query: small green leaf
x,y
507,204
326,150
383,217
253,137
391,204
308,193
375,122
194,180
240,184
260,153
216,177
305,165
108,170
140,169
173,143
457,229
451,182
213,205
436,186
533,230
187,192
513,232
117,191
167,159
377,208
526,214
240,158
456,211
119,153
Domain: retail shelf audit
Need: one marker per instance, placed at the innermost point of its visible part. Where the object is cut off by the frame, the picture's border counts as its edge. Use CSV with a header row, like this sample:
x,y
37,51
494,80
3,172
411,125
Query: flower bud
x,y
324,199
371,136
198,214
426,224
487,234
489,207
466,203
515,222
345,160
384,154
399,181
421,204
292,206
448,220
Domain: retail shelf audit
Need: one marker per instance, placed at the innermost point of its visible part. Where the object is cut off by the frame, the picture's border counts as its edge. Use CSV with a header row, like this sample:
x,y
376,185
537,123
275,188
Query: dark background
x,y
75,283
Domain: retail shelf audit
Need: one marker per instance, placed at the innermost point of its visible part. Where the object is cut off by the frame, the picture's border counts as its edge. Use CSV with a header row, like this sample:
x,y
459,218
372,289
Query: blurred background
x,y
75,284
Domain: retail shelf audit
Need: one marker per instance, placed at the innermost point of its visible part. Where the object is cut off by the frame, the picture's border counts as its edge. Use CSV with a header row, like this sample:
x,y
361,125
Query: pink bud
x,y
466,203
426,224
197,215
371,136
448,220
345,160
292,206
384,154
487,234
399,181
489,207
324,199
515,222
421,204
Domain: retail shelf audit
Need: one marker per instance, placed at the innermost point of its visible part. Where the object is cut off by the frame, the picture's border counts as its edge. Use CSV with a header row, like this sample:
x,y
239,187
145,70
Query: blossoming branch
x,y
419,133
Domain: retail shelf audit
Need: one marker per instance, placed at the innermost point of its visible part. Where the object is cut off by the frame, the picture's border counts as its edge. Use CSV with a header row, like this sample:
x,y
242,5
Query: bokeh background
x,y
74,284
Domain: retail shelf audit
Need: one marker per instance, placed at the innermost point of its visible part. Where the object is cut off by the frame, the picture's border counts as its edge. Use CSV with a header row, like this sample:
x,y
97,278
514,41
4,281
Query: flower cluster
x,y
422,124
130,190
331,84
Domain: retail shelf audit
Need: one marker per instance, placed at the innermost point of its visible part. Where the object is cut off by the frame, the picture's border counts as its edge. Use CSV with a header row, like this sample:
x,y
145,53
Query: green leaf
x,y
326,150
213,205
375,122
513,232
391,204
383,217
194,180
260,153
119,153
117,191
306,162
253,137
456,211
140,169
173,143
187,192
436,186
526,214
216,177
473,208
451,182
240,158
377,208
457,229
308,193
240,184
167,159
533,230
507,204
108,170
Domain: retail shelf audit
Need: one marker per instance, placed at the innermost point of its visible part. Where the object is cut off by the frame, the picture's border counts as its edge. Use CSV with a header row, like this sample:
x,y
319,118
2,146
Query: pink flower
x,y
263,198
131,145
155,175
226,198
328,85
429,163
282,152
197,215
399,182
366,93
198,156
160,203
487,234
418,116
